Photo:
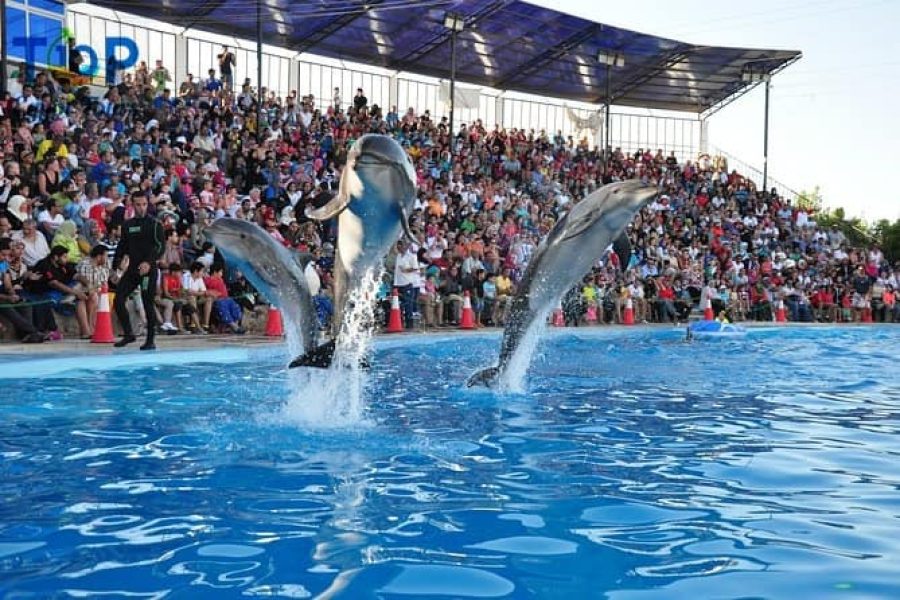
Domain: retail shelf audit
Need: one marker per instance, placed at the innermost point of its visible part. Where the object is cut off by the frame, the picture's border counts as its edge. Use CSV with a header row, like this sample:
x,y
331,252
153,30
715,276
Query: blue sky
x,y
833,115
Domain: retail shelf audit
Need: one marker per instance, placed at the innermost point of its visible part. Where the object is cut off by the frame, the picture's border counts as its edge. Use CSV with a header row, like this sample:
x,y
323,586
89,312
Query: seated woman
x,y
67,237
13,307
228,312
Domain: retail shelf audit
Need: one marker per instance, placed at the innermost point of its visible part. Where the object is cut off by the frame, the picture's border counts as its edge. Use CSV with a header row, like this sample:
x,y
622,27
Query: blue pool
x,y
636,466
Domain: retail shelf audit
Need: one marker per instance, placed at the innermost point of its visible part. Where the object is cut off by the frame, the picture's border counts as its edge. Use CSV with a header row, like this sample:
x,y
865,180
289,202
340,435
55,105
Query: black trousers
x,y
20,318
131,280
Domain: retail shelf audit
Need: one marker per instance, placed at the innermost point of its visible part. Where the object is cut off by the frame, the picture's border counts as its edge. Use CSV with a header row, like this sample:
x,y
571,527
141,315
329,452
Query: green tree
x,y
887,235
810,201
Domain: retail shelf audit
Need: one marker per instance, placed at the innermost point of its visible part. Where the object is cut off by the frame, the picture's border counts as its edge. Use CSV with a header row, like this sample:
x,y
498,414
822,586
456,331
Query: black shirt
x,y
861,284
50,271
143,240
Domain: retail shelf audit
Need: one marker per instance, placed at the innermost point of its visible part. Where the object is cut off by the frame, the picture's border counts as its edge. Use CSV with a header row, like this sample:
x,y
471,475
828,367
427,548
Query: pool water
x,y
637,465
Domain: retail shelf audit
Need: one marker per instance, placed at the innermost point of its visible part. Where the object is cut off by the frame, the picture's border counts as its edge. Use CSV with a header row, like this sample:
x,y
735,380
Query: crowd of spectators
x,y
71,166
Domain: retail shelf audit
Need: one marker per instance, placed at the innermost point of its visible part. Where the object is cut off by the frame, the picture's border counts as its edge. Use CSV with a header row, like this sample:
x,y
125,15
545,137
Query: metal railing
x,y
755,174
283,74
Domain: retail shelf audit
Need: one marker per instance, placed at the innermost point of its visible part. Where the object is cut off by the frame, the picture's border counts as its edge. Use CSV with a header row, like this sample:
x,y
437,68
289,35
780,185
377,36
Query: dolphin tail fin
x,y
322,356
319,357
486,377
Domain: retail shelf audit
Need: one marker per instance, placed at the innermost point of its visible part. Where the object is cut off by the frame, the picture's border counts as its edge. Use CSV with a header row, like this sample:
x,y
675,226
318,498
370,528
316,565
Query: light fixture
x,y
454,21
611,59
751,76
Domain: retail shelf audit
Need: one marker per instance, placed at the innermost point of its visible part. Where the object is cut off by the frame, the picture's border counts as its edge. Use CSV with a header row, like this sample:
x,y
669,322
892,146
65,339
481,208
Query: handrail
x,y
746,169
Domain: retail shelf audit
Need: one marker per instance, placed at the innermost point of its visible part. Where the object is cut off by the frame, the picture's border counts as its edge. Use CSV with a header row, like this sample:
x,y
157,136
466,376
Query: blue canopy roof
x,y
506,44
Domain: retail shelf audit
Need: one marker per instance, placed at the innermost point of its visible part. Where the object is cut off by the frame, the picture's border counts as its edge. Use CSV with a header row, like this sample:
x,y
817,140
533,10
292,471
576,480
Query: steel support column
x,y
259,88
766,137
606,137
4,59
452,92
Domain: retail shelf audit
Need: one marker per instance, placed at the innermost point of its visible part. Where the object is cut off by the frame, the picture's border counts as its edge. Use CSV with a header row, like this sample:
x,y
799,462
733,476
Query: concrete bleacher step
x,y
254,322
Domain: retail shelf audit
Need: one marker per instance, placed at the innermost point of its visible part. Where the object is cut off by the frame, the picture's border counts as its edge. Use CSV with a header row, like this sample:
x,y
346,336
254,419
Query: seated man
x,y
451,293
54,280
92,273
505,294
196,297
760,303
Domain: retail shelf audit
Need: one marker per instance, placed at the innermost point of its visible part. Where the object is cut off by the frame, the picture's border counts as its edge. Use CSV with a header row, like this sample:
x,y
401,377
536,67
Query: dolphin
x,y
277,273
564,256
376,194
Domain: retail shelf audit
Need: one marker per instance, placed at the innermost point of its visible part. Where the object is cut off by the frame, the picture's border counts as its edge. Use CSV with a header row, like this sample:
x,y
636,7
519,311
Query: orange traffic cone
x,y
395,322
780,316
103,331
468,315
707,310
628,316
867,313
274,326
559,319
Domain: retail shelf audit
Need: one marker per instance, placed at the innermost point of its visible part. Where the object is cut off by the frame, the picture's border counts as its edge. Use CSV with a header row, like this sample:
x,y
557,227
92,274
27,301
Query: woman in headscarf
x,y
91,234
67,236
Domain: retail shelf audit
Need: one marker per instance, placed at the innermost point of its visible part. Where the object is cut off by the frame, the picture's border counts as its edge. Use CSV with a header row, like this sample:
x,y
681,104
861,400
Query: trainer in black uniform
x,y
142,244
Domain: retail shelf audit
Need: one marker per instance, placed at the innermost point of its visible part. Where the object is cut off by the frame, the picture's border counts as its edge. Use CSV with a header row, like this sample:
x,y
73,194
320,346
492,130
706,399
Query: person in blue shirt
x,y
164,100
212,84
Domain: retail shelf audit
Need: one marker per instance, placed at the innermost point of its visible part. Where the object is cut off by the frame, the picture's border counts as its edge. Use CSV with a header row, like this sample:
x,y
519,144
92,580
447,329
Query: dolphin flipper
x,y
332,209
486,377
321,358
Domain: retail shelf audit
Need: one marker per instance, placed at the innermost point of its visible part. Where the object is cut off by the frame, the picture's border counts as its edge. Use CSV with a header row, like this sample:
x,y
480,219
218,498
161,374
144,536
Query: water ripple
x,y
633,465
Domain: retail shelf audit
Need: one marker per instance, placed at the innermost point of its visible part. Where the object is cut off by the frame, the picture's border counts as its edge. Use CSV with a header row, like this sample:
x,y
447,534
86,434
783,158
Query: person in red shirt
x,y
226,309
827,308
170,298
665,298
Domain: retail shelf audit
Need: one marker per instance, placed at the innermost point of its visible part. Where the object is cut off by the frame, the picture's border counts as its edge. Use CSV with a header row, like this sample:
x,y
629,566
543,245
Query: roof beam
x,y
667,61
712,109
333,27
203,11
551,54
436,41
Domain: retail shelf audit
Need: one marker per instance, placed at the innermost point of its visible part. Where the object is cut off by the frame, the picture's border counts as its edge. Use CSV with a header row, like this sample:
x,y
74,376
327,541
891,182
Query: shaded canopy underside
x,y
506,45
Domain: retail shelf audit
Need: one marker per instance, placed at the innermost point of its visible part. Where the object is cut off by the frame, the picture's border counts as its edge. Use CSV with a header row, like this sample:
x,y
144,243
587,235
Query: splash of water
x,y
335,397
513,378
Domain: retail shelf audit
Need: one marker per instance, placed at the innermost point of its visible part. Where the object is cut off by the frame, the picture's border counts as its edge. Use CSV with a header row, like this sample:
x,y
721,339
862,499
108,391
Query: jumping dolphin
x,y
277,273
377,191
577,240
